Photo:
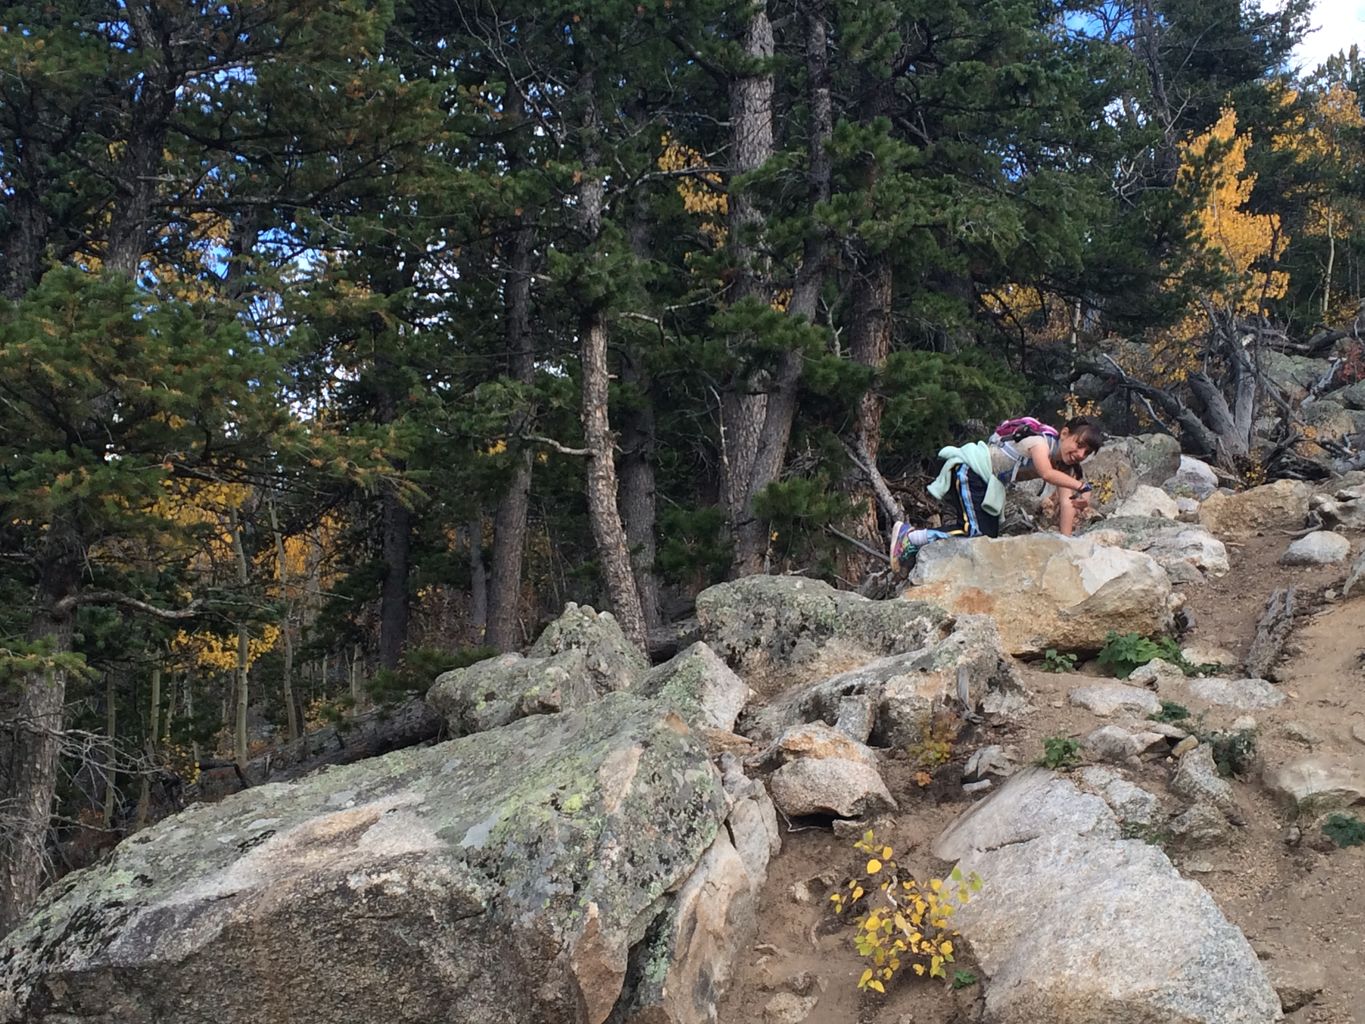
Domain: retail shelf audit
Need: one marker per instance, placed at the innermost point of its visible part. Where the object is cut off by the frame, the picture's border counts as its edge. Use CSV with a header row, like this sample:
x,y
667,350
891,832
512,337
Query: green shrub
x,y
1053,661
1061,752
963,979
1170,712
1123,653
1233,752
1344,830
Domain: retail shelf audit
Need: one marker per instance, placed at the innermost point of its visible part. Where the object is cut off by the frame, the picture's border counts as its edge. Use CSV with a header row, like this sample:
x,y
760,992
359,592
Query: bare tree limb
x,y
885,498
73,601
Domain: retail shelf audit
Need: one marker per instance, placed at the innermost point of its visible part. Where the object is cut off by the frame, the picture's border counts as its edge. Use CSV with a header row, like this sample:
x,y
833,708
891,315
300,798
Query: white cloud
x,y
1337,24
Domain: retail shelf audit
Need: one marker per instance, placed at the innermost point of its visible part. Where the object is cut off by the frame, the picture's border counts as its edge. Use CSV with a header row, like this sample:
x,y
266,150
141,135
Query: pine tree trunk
x,y
111,735
153,736
31,723
604,516
478,585
393,597
509,524
291,711
751,536
239,745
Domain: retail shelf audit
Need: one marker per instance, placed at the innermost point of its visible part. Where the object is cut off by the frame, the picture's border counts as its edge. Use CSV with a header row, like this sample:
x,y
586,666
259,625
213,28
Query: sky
x,y
1339,23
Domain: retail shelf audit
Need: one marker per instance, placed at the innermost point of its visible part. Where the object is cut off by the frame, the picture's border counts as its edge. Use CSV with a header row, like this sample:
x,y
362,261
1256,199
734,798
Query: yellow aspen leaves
x,y
873,866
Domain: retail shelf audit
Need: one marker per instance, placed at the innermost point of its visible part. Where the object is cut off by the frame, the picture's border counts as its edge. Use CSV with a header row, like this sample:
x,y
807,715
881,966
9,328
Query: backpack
x,y
1022,427
1007,433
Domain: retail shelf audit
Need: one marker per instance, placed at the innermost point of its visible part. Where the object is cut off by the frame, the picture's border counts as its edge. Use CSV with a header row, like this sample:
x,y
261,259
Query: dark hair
x,y
1087,432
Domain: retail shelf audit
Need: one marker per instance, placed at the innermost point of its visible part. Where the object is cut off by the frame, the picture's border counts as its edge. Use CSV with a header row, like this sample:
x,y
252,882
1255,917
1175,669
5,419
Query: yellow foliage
x,y
219,653
902,922
702,194
1228,231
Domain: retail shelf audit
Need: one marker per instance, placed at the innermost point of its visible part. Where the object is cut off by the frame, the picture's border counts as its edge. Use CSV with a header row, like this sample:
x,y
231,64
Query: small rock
x,y
972,788
1132,804
832,785
1167,730
1185,746
1199,653
1146,502
788,1008
1301,733
1110,743
1298,983
1319,548
857,715
1156,673
1200,825
1196,779
1245,723
1358,731
1197,867
1293,835
991,760
849,829
1108,700
1243,694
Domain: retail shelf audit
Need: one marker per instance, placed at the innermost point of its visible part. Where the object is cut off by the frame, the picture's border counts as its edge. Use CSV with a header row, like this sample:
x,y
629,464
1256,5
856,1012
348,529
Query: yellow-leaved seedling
x,y
899,921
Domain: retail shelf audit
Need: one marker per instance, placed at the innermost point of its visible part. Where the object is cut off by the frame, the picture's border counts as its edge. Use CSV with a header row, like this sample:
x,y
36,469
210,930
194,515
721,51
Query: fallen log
x,y
1272,633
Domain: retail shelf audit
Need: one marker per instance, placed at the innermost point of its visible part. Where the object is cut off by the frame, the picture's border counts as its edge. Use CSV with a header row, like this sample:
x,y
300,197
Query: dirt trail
x,y
1298,904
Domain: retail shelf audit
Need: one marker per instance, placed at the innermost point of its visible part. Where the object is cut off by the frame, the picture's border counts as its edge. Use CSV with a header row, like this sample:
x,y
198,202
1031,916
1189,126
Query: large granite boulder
x,y
581,656
777,631
1294,375
958,666
1125,463
1328,419
1074,926
533,873
699,686
1279,505
1046,590
1177,547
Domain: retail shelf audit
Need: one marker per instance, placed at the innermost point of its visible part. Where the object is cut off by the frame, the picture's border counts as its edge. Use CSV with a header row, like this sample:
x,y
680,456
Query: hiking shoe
x,y
902,554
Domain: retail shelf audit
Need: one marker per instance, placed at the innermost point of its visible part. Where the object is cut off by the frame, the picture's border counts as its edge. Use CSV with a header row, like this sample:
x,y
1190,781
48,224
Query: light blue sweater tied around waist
x,y
976,456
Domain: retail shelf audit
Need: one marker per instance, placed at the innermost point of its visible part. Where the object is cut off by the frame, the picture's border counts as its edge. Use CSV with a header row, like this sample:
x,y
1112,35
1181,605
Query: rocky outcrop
x,y
1046,590
581,656
1074,925
699,686
539,872
1279,505
825,772
1181,549
1125,463
777,631
893,698
1342,506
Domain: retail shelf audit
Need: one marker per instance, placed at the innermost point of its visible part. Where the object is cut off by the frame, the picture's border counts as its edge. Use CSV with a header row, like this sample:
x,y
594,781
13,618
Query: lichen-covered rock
x,y
778,631
508,874
1131,803
701,687
496,691
1282,504
1046,590
1294,374
1329,420
1166,541
581,656
1107,699
613,661
957,665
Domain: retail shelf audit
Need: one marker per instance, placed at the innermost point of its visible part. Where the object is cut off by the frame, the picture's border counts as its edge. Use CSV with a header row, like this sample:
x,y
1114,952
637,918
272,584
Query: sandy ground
x,y
1299,903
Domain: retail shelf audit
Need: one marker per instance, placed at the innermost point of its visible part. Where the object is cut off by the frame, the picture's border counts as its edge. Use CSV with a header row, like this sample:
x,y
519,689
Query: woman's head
x,y
1081,437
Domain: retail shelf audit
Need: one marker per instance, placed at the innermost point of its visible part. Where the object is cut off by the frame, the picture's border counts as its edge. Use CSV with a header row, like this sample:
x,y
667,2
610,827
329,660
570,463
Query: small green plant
x,y
1123,653
934,746
1061,752
1054,661
899,921
1234,753
963,979
1344,830
1170,712
1149,834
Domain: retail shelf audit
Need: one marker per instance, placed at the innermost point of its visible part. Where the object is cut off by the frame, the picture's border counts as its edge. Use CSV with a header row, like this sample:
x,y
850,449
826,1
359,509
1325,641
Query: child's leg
x,y
1066,513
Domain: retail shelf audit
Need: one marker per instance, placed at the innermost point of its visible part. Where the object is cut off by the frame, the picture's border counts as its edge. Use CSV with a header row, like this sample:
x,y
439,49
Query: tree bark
x,y
478,585
604,516
393,595
243,645
509,523
31,722
110,734
153,737
743,406
286,627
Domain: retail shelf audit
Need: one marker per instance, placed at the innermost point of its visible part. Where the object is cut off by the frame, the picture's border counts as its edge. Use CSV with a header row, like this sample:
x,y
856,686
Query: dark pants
x,y
965,501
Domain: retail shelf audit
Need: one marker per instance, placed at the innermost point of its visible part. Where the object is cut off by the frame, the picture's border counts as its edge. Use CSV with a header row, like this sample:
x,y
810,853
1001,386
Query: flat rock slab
x,y
1243,694
1315,785
1115,698
1032,803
